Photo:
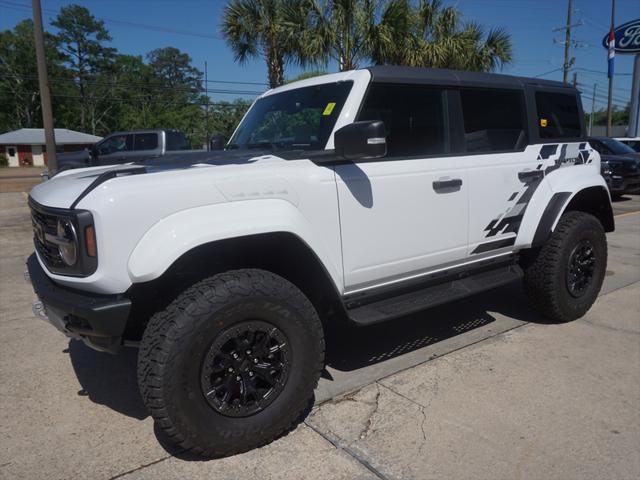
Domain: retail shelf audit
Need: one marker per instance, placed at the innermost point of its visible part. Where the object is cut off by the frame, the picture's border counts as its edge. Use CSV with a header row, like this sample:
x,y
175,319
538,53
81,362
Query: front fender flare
x,y
173,236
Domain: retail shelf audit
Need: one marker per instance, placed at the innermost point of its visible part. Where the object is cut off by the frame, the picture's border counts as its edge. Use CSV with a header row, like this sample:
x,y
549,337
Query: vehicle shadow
x,y
110,380
107,379
351,347
620,199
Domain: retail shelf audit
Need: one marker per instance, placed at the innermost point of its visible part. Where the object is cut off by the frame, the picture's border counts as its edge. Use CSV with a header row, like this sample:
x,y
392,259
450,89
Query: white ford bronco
x,y
359,196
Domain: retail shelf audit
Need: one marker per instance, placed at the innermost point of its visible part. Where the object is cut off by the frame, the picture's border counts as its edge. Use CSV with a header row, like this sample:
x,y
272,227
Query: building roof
x,y
35,136
439,76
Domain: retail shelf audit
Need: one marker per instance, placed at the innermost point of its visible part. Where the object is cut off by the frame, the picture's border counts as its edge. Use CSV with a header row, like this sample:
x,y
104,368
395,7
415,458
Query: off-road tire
x,y
175,343
546,270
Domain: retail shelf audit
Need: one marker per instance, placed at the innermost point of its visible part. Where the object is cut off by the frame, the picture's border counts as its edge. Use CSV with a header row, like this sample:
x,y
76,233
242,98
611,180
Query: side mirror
x,y
93,151
361,141
217,142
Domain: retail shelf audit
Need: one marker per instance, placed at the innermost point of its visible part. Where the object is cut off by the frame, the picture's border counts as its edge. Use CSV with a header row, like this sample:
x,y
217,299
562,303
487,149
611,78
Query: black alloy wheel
x,y
246,368
582,264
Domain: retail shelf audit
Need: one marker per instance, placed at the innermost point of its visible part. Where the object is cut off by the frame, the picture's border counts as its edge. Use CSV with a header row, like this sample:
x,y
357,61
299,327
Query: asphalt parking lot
x,y
482,389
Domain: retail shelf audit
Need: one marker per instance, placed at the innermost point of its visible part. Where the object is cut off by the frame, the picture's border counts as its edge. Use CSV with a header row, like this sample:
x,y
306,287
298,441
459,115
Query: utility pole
x,y
206,94
567,44
206,114
45,97
575,79
611,54
593,107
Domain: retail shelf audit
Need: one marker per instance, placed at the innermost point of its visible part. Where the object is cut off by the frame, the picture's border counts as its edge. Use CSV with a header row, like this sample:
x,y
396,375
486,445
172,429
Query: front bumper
x,y
98,320
619,183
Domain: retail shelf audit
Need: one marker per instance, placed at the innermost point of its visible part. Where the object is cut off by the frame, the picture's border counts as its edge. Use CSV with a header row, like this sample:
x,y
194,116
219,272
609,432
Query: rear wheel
x,y
232,363
564,277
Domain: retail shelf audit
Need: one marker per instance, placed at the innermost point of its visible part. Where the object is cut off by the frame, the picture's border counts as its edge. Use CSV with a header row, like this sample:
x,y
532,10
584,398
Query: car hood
x,y
66,188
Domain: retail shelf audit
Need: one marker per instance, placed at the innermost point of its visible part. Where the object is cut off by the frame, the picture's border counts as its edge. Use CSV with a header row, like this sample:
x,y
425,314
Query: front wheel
x,y
232,363
564,277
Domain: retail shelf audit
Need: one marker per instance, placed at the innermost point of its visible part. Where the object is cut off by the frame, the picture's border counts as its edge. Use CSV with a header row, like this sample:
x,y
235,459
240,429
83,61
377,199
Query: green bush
x,y
4,161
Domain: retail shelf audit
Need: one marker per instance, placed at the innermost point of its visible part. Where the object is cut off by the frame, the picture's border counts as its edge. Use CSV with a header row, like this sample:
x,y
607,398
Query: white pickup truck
x,y
359,196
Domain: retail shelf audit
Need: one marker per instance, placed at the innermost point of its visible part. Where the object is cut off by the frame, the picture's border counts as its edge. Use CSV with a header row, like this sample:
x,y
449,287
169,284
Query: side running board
x,y
432,295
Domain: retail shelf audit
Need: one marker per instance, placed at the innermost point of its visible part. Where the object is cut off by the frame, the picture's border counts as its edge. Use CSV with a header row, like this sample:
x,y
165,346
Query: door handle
x,y
446,186
530,175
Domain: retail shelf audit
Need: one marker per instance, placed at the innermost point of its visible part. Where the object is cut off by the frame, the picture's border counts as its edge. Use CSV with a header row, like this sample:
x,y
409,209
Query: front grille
x,y
42,224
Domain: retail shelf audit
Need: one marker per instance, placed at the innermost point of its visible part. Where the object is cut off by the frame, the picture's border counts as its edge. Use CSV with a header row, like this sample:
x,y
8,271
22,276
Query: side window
x,y
176,141
115,144
558,115
414,117
145,141
493,120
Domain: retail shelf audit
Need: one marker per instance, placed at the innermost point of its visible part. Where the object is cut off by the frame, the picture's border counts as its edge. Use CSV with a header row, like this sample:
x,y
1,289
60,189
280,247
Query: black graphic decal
x,y
511,220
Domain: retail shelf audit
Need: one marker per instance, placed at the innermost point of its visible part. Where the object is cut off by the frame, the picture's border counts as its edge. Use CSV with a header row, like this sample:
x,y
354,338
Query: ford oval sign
x,y
627,37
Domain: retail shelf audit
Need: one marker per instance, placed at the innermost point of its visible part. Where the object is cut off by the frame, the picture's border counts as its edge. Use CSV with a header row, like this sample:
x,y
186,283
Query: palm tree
x,y
338,30
350,32
261,27
430,35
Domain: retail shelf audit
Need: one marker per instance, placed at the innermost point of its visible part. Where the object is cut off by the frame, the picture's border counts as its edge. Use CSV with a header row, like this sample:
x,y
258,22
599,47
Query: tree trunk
x,y
275,65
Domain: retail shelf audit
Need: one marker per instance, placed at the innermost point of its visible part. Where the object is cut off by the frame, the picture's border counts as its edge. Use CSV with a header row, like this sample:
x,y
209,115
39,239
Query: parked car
x,y
125,147
620,165
359,197
633,142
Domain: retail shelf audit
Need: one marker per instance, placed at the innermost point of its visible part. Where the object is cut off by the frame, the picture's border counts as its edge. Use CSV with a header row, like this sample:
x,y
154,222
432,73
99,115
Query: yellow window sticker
x,y
329,108
543,122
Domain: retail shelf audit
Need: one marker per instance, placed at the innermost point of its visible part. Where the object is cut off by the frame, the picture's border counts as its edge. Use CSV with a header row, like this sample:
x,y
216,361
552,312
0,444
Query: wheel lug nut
x,y
251,374
230,369
248,352
234,355
255,360
238,378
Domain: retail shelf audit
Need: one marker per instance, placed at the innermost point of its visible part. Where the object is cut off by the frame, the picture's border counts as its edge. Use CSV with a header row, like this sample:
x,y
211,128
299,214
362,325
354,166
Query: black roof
x,y
439,76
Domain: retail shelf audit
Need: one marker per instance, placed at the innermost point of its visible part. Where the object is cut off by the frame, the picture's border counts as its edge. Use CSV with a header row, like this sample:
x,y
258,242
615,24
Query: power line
x,y
144,26
140,86
141,99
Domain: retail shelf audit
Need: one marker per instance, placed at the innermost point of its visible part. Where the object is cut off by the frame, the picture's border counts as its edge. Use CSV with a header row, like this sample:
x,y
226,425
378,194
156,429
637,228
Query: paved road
x,y
482,389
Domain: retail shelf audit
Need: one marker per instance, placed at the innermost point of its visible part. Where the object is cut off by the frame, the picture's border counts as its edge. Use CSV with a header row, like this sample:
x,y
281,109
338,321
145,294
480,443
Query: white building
x,y
27,146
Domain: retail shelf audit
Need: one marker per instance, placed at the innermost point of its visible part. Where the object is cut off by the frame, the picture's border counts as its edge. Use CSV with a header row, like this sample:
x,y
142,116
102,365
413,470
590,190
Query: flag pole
x,y
611,56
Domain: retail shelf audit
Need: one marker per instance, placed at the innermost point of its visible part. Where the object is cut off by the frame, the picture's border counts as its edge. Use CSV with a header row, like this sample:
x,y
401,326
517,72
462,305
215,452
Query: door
x,y
503,171
114,149
38,157
145,145
405,214
12,156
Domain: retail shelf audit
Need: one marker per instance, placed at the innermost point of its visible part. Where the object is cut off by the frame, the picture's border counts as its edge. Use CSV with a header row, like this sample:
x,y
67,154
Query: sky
x,y
193,26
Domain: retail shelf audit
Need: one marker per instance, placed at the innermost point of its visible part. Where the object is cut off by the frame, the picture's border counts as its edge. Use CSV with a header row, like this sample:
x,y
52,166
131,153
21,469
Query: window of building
x,y
494,120
558,115
414,117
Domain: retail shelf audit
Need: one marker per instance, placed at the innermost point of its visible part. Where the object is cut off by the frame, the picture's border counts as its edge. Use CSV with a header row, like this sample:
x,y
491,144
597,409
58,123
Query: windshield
x,y
617,147
300,119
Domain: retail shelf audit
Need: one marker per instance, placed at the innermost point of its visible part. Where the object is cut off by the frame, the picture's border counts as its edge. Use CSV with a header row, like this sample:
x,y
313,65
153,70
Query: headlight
x,y
67,242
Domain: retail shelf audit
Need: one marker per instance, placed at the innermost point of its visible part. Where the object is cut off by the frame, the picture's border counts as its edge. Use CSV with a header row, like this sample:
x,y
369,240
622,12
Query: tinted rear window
x,y
558,115
176,141
493,120
146,141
